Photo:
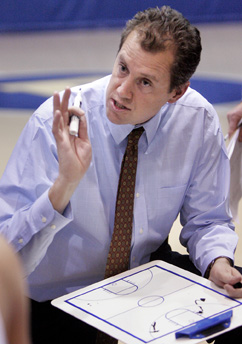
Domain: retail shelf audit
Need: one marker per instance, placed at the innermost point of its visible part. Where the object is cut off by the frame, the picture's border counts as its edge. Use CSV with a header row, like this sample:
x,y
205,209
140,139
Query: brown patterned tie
x,y
119,252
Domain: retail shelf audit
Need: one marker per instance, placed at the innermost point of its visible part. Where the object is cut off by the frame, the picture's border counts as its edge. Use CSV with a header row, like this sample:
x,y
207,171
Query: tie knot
x,y
134,136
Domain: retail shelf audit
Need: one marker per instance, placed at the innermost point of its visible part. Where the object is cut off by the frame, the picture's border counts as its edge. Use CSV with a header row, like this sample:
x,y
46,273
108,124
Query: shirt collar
x,y
120,132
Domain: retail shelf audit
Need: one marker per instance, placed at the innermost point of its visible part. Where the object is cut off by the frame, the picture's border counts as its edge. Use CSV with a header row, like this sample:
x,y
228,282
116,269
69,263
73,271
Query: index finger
x,y
56,101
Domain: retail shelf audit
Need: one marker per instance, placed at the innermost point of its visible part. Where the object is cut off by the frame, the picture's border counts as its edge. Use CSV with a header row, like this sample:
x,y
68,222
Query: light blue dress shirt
x,y
182,168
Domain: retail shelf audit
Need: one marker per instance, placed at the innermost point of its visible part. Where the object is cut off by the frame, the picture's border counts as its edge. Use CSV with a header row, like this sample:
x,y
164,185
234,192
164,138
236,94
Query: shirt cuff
x,y
43,216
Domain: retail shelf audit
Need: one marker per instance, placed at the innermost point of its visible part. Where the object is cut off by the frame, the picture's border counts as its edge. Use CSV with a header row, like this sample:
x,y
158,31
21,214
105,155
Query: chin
x,y
116,119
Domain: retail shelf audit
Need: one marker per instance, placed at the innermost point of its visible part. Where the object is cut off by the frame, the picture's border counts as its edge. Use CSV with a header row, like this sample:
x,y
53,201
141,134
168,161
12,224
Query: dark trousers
x,y
53,326
49,325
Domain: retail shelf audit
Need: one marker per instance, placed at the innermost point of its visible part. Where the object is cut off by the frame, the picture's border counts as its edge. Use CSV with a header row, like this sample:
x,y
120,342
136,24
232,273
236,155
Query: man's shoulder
x,y
194,105
193,98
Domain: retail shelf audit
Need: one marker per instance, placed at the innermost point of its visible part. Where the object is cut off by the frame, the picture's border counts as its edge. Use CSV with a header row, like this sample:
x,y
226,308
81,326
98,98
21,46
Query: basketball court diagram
x,y
151,304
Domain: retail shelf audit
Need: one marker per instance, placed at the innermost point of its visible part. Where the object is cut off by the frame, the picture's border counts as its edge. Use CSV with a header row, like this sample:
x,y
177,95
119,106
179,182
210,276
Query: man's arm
x,y
29,218
208,231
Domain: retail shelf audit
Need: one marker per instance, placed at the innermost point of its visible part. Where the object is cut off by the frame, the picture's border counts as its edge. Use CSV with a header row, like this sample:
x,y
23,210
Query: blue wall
x,y
26,15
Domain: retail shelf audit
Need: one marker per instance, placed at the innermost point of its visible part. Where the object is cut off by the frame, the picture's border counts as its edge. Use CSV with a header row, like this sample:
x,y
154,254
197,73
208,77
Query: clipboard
x,y
156,303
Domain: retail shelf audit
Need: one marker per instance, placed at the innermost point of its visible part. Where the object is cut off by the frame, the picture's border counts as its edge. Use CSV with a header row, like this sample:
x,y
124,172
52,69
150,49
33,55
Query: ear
x,y
178,92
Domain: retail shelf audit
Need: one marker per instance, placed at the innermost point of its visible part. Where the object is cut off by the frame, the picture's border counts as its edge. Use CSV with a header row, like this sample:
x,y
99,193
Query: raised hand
x,y
74,153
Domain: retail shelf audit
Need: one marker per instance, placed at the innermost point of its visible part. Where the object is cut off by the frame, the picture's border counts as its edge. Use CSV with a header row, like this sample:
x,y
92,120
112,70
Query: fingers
x,y
62,113
61,110
83,128
58,124
227,277
56,102
62,105
233,291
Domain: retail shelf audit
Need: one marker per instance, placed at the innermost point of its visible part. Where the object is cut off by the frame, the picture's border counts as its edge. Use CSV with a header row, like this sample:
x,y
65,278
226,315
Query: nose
x,y
125,88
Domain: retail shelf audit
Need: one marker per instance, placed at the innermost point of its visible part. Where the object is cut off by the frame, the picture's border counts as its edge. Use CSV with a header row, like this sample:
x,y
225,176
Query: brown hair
x,y
164,28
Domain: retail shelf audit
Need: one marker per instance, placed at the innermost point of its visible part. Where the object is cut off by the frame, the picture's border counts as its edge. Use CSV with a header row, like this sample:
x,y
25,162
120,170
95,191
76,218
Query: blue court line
x,y
20,100
214,90
26,100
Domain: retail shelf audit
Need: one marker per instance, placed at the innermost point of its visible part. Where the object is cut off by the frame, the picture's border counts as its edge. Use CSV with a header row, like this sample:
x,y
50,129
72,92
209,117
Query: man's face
x,y
140,83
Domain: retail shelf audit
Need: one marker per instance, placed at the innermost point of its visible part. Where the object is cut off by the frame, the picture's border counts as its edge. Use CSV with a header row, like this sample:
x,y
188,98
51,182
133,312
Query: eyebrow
x,y
144,75
149,76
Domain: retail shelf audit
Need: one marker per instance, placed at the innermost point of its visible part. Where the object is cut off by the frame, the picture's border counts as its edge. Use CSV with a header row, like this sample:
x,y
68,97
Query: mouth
x,y
119,106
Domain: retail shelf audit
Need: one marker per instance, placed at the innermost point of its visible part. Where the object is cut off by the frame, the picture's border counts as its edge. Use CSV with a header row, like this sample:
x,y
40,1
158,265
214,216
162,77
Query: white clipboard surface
x,y
149,304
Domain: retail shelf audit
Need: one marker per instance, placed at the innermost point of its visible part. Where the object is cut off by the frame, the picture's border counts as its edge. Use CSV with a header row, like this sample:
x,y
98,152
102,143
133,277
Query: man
x,y
58,191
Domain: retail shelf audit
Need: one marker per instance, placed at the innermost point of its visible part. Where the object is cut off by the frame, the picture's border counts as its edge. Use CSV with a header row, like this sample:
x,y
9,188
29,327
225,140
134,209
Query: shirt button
x,y
133,259
44,219
141,231
21,240
53,226
137,194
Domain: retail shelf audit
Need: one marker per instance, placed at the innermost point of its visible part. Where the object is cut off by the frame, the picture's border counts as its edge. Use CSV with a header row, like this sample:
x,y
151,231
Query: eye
x,y
146,82
122,68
